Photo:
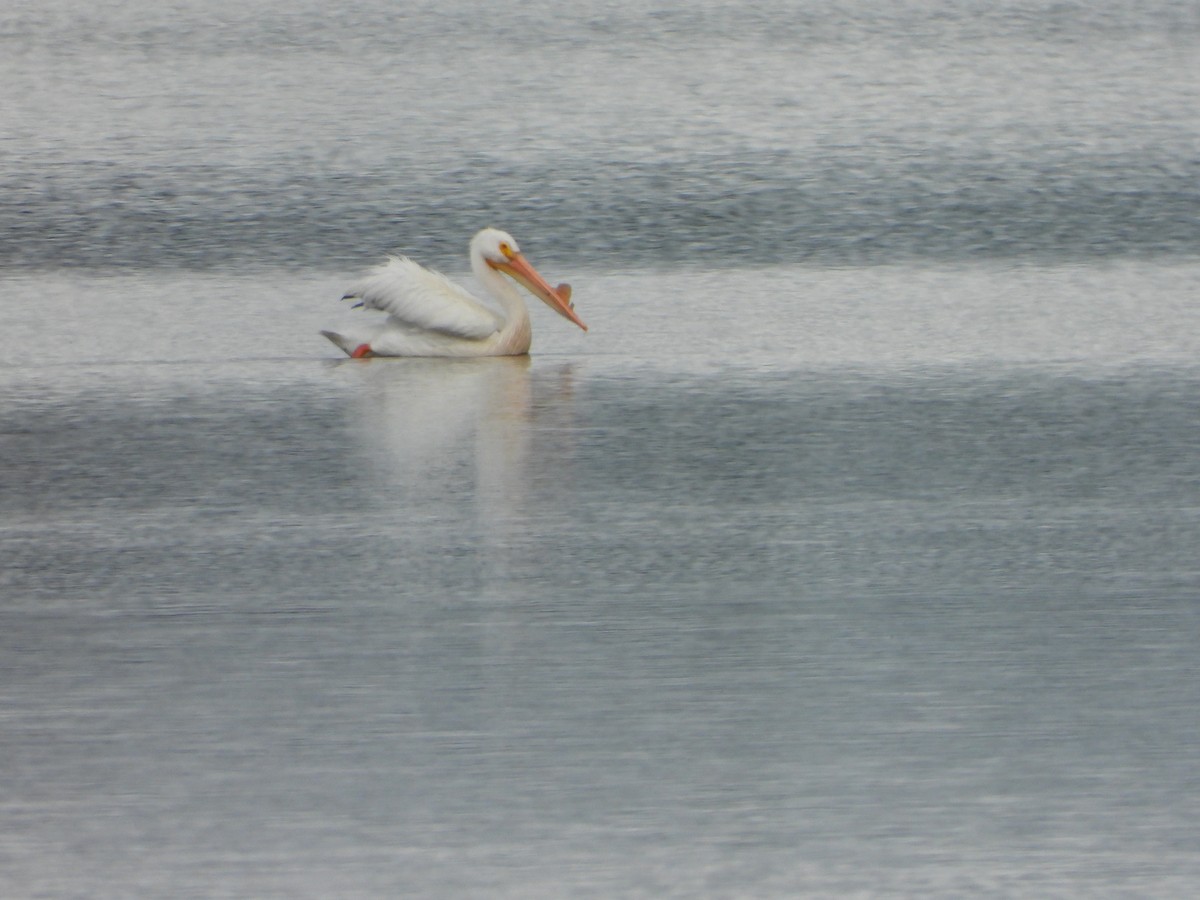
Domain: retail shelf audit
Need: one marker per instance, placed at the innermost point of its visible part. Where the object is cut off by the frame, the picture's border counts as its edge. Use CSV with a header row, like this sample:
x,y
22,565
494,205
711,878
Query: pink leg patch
x,y
360,351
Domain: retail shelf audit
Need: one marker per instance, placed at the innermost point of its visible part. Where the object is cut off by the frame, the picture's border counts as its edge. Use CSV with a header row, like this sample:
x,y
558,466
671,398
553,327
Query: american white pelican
x,y
429,315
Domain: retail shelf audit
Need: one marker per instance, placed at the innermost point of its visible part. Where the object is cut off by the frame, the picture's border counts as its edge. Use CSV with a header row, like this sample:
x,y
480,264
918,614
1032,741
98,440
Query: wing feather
x,y
421,298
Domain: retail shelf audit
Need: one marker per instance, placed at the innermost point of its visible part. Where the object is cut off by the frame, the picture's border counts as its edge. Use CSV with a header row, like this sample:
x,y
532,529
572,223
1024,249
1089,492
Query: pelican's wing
x,y
423,299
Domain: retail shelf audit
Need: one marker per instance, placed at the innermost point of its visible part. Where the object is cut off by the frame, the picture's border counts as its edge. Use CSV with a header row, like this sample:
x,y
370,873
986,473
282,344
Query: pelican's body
x,y
429,315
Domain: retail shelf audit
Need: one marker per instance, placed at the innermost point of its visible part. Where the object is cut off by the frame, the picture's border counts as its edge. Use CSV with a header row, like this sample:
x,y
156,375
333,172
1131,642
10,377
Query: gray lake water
x,y
851,552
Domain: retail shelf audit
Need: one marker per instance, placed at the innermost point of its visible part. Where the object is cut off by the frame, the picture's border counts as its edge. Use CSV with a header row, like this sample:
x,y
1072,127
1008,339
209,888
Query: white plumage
x,y
430,315
423,298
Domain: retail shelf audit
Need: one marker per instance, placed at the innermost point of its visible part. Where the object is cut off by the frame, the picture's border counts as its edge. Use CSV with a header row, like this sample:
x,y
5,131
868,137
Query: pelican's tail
x,y
352,348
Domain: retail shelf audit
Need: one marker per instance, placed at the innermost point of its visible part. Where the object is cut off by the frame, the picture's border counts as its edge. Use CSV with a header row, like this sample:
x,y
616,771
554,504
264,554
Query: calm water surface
x,y
851,552
589,624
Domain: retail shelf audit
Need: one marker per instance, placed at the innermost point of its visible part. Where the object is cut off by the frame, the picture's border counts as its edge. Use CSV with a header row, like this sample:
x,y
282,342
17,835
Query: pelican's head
x,y
498,250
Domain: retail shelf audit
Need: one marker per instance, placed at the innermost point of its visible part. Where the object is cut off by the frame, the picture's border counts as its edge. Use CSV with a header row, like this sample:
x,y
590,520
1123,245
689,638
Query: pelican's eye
x,y
506,250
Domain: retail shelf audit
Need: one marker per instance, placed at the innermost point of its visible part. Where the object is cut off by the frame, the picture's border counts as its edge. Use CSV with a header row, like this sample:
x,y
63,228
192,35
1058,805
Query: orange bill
x,y
558,299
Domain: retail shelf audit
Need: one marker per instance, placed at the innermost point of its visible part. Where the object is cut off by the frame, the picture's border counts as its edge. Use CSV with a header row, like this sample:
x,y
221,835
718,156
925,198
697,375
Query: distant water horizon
x,y
224,137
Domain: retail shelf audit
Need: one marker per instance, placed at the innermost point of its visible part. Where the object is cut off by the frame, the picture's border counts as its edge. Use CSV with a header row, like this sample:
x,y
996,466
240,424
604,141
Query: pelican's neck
x,y
516,329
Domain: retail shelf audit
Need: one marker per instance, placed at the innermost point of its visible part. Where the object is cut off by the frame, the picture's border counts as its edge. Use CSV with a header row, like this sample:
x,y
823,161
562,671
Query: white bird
x,y
429,315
